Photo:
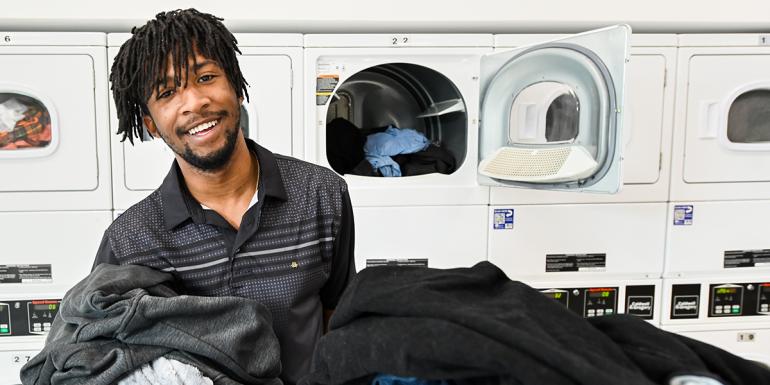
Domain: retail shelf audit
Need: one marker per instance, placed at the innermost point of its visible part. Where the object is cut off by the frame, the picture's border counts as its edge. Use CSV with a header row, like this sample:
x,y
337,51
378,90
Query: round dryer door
x,y
27,124
550,113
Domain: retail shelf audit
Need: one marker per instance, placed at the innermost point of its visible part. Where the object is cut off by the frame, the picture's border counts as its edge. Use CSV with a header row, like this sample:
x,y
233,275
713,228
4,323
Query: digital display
x,y
556,295
51,307
727,290
599,294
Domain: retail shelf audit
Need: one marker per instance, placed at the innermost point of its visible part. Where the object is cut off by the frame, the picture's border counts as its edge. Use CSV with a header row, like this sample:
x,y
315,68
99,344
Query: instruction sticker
x,y
575,262
503,219
747,258
683,215
25,274
324,88
418,262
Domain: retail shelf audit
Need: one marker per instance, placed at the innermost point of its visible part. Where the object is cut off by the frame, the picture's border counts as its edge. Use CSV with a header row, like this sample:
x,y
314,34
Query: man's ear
x,y
240,100
149,124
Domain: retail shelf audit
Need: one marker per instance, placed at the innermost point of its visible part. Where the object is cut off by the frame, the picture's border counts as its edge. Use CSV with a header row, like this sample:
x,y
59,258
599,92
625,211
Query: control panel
x,y
586,301
27,317
739,299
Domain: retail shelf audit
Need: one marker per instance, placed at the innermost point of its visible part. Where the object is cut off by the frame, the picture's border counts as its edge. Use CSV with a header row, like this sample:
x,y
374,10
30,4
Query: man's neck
x,y
233,184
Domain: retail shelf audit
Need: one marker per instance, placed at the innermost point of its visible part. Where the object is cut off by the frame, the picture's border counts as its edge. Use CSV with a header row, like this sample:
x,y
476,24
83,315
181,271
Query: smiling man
x,y
231,218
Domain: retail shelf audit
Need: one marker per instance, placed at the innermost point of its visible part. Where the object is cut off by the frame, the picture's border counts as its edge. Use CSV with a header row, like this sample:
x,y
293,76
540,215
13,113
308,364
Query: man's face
x,y
199,120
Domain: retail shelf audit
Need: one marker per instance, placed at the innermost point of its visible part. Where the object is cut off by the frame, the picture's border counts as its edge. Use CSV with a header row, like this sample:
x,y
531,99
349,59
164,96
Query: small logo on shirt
x,y
294,264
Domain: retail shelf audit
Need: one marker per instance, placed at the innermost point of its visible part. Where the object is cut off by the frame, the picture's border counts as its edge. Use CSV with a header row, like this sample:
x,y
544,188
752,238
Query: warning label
x,y
747,258
575,262
25,274
418,262
324,88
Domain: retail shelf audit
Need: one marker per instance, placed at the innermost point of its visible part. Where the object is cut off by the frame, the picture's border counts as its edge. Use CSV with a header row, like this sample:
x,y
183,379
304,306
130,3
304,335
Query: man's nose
x,y
193,100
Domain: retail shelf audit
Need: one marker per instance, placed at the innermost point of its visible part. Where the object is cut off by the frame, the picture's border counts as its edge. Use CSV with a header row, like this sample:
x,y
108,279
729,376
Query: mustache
x,y
182,130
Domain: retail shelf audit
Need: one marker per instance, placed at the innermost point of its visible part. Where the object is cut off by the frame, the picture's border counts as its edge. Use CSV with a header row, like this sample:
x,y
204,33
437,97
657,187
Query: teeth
x,y
201,127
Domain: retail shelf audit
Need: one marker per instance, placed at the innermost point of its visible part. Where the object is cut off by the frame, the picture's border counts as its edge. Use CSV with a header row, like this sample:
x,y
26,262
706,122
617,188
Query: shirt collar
x,y
179,205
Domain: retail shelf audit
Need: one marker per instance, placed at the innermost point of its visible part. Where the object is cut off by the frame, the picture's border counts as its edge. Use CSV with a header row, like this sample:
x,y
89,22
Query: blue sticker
x,y
683,215
503,219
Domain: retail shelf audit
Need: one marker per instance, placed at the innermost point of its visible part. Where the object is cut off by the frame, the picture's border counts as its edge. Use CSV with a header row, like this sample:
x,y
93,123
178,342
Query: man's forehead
x,y
194,64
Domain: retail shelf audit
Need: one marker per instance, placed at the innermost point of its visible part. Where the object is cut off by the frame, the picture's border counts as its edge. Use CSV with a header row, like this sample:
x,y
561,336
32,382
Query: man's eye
x,y
206,78
165,94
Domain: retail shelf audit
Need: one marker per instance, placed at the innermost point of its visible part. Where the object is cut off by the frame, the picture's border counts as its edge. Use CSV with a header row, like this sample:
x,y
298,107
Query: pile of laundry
x,y
127,325
388,151
23,124
420,326
394,325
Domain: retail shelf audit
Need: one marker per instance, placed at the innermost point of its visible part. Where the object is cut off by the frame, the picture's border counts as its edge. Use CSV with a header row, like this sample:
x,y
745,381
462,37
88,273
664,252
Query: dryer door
x,y
47,127
551,113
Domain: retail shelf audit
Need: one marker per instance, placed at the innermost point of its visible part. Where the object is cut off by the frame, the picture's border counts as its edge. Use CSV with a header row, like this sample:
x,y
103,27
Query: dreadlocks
x,y
142,61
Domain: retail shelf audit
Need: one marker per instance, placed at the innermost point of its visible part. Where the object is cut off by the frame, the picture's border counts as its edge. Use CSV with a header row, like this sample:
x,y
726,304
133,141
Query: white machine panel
x,y
647,126
49,253
54,149
583,241
722,141
273,113
717,237
432,236
749,342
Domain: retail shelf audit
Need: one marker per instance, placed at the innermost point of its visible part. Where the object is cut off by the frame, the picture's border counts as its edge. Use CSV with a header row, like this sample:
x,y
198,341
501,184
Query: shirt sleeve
x,y
343,262
105,254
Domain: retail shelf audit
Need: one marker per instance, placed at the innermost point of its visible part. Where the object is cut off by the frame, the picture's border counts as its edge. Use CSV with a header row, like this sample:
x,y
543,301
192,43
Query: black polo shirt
x,y
293,251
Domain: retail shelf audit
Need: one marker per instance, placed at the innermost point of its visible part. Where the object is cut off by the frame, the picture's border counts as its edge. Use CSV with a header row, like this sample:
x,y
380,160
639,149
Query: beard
x,y
216,160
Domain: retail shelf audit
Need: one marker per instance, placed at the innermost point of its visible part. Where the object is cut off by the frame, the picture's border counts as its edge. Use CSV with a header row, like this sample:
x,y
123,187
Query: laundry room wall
x,y
313,16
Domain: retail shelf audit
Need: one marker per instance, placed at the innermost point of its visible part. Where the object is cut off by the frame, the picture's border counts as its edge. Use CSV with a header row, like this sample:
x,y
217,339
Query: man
x,y
231,218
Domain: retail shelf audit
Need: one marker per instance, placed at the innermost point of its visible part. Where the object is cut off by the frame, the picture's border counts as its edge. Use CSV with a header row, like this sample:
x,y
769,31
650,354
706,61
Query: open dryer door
x,y
551,113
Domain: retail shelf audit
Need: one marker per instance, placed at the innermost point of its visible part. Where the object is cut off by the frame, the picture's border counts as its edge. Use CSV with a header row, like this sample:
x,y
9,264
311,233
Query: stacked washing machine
x,y
271,64
463,99
598,253
55,193
717,269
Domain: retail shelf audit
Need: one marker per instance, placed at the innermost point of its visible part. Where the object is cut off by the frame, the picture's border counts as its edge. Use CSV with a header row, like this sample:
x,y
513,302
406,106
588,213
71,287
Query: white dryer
x,y
599,240
44,255
444,86
54,142
272,117
720,176
721,147
731,312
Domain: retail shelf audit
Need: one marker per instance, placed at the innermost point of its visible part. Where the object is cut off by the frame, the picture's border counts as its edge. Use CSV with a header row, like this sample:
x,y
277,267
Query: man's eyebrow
x,y
202,64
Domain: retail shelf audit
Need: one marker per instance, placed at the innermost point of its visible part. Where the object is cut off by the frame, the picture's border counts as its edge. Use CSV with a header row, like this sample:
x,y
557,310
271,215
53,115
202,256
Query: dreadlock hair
x,y
143,61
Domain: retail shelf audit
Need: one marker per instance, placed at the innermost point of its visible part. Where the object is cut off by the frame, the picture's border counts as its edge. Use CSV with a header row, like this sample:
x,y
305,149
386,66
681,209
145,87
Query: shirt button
x,y
294,264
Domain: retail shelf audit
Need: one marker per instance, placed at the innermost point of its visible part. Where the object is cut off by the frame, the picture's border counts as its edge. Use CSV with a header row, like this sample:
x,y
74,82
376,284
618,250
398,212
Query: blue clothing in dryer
x,y
385,165
381,146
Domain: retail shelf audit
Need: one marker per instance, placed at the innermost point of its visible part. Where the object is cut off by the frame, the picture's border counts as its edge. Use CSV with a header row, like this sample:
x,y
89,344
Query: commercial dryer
x,y
55,195
598,241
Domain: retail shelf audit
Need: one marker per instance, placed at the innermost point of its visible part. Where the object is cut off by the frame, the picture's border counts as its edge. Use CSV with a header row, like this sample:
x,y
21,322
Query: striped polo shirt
x,y
293,251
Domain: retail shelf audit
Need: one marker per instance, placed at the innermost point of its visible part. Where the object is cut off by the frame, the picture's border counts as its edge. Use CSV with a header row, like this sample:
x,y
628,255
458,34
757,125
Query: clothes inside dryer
x,y
25,123
748,120
414,116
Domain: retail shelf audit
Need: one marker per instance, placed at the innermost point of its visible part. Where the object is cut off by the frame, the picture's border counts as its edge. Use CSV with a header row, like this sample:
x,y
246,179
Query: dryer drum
x,y
402,95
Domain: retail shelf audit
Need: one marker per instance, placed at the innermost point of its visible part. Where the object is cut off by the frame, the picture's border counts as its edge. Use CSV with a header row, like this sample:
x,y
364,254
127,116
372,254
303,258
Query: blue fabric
x,y
381,146
385,165
387,379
